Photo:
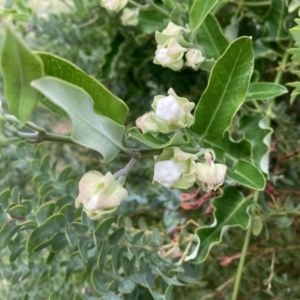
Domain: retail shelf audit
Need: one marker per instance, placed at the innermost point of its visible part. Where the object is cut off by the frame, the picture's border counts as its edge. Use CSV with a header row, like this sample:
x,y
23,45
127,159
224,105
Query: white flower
x,y
167,108
166,173
114,5
99,194
130,17
173,29
210,176
175,168
170,55
170,113
194,58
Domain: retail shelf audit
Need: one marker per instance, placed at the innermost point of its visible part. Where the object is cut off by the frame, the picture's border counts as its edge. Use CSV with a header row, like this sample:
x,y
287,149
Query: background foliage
x,y
52,251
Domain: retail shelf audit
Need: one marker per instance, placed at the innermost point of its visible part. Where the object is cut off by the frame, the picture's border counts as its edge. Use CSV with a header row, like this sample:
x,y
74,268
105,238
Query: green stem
x,y
244,251
125,170
192,140
253,4
160,9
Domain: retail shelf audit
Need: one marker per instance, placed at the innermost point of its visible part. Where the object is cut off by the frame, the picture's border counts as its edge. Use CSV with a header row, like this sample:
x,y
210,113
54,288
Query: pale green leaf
x,y
199,10
6,233
105,103
258,132
245,173
226,90
89,130
211,39
157,141
275,22
231,210
264,90
19,67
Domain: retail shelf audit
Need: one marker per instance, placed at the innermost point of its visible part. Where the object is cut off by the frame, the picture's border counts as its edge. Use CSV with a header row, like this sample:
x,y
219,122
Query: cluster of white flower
x,y
129,17
177,169
171,47
102,194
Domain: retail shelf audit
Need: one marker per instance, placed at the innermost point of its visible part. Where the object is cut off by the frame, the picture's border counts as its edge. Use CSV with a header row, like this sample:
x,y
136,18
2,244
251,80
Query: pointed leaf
x,y
89,130
105,103
6,234
158,141
211,38
275,22
264,90
19,67
245,173
226,90
45,232
231,210
199,10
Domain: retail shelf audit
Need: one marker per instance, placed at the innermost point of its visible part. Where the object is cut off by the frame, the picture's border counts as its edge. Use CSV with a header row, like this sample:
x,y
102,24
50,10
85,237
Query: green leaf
x,y
245,173
158,141
226,90
19,68
6,234
274,25
98,283
17,211
89,130
296,85
44,212
199,10
3,216
103,228
231,210
45,232
151,20
115,237
83,248
126,286
258,132
264,90
211,38
105,103
102,257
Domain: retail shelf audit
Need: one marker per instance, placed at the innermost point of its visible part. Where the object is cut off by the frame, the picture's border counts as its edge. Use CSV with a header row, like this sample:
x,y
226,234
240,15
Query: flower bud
x,y
170,55
170,113
130,17
175,168
194,58
114,5
173,29
99,194
210,176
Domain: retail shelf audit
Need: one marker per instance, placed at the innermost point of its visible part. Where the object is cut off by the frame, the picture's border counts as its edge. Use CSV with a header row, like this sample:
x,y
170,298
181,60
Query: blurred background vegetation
x,y
121,58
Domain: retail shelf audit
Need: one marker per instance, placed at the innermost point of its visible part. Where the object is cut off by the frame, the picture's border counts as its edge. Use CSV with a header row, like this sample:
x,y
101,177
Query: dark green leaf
x,y
115,237
6,234
17,211
19,68
275,22
103,228
199,10
44,212
226,90
102,257
126,286
45,232
211,39
83,248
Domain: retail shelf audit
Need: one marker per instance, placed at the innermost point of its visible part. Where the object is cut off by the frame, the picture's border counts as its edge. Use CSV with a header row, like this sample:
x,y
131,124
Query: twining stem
x,y
125,170
244,250
160,9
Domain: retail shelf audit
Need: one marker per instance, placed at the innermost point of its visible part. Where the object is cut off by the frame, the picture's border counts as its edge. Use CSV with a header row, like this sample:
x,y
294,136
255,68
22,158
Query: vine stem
x,y
253,4
244,250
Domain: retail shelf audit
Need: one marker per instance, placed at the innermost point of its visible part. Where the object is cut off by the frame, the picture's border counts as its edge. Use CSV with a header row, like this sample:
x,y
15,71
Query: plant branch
x,y
244,251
